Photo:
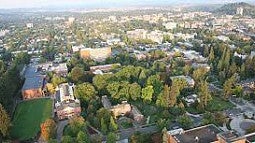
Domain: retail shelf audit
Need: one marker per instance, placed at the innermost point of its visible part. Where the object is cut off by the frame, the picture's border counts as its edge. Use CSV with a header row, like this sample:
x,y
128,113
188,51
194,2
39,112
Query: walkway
x,y
61,125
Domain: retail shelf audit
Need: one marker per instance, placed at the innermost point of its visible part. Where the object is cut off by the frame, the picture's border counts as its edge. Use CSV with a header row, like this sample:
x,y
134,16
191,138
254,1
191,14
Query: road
x,y
61,125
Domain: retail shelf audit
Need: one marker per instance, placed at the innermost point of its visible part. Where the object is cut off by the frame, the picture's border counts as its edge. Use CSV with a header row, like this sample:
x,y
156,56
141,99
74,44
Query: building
x,y
122,109
106,102
34,84
199,65
33,87
248,86
137,34
205,134
191,99
66,105
113,41
239,11
30,25
59,69
137,115
104,68
155,36
97,54
170,25
77,48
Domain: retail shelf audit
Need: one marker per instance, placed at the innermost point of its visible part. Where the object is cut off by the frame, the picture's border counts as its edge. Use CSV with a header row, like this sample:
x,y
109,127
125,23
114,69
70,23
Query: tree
x,y
103,126
164,135
174,92
204,94
100,82
186,69
199,74
142,77
208,118
162,123
147,93
113,89
211,55
52,141
111,138
113,126
4,121
82,137
2,67
138,137
67,139
185,121
77,75
164,97
135,91
56,80
50,88
76,124
228,85
105,114
155,81
85,91
48,129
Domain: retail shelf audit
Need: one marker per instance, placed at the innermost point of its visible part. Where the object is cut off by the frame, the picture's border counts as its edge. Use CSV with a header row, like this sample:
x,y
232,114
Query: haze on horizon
x,y
9,4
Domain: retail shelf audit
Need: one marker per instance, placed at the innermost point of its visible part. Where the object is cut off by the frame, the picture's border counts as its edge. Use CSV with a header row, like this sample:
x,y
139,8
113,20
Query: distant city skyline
x,y
9,4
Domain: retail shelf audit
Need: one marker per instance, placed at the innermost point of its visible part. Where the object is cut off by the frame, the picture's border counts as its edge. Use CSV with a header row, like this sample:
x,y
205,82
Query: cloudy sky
x,y
96,3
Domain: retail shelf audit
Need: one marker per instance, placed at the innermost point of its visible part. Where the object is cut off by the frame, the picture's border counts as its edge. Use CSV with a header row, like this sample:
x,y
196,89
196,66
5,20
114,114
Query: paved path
x,y
60,129
235,124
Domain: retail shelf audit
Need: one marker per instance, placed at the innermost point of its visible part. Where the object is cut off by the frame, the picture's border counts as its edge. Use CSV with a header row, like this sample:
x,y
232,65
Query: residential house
x,y
199,65
104,68
97,54
191,99
137,115
122,109
66,105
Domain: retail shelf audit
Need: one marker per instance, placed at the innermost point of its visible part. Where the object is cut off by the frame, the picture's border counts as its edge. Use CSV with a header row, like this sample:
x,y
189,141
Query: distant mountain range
x,y
231,8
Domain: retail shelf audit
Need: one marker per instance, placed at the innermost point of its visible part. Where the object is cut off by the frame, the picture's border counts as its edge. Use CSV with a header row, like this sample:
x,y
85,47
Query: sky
x,y
7,4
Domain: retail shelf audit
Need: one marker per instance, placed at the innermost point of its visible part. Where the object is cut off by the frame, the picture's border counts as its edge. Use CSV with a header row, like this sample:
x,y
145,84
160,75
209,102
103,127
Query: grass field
x,y
218,104
28,117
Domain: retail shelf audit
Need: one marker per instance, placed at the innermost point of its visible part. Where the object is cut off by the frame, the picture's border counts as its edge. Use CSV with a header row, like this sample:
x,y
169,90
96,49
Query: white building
x,y
77,48
137,34
170,25
30,25
239,11
155,36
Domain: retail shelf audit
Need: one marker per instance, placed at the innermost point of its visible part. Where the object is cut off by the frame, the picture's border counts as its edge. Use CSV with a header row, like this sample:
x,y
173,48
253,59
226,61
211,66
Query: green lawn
x,y
28,117
218,104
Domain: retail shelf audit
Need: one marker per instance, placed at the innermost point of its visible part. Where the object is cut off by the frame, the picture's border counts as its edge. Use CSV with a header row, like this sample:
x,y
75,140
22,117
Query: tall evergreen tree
x,y
113,126
4,121
104,128
204,94
164,136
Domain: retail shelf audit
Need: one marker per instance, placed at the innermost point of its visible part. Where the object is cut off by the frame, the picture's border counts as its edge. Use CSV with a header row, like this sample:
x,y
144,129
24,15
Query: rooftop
x,y
106,102
204,134
68,104
34,82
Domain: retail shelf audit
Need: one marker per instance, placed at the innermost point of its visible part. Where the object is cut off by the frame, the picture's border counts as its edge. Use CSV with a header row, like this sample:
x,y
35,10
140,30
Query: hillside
x,y
230,9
